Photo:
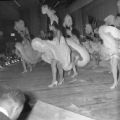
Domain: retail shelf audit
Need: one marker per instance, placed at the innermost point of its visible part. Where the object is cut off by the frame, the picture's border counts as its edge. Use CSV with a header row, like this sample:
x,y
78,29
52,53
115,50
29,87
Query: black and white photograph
x,y
59,59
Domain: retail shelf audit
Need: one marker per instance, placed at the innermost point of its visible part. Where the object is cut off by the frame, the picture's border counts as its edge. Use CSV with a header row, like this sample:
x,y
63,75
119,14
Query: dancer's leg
x,y
60,71
74,62
30,67
24,66
96,60
75,73
54,73
114,67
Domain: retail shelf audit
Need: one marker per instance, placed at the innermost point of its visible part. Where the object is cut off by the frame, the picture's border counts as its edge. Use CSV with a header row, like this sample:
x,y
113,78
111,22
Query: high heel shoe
x,y
61,82
24,71
54,84
74,75
113,86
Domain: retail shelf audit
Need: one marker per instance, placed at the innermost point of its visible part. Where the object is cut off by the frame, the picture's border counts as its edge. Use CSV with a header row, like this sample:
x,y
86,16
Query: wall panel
x,y
100,9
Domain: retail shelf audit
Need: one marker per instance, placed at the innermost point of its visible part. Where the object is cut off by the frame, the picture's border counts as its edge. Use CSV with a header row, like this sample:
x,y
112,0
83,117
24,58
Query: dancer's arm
x,y
58,35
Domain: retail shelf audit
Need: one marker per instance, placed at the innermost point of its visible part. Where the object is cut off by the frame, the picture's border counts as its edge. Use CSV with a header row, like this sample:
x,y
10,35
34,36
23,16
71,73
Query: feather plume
x,y
88,29
50,13
19,25
21,29
68,21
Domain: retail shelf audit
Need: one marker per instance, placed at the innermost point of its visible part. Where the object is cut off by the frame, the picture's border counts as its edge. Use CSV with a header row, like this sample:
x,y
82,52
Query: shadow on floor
x,y
29,104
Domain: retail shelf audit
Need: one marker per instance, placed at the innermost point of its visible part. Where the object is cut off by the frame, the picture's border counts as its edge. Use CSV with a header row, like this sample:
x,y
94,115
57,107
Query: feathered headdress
x,y
21,29
118,3
50,13
110,20
19,25
68,21
88,29
117,21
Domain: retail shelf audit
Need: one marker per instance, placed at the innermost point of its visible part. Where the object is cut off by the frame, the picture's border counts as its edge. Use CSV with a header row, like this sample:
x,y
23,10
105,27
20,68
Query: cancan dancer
x,y
57,41
79,55
24,50
110,35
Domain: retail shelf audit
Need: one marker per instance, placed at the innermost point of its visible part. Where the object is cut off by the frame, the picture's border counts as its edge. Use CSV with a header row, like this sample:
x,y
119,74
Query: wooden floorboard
x,y
88,95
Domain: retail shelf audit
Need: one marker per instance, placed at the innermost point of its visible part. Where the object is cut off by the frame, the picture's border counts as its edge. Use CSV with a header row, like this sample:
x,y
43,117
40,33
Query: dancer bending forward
x,y
110,36
56,53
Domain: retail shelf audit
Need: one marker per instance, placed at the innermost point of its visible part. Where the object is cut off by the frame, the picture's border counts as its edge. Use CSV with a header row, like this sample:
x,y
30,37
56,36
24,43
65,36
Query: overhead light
x,y
57,3
17,3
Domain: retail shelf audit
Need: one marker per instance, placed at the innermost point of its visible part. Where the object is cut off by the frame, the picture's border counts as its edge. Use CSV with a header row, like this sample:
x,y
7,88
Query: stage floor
x,y
89,94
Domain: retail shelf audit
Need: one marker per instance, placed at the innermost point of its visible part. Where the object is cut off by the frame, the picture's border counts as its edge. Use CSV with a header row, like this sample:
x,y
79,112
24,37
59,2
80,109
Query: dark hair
x,y
56,25
50,35
118,15
76,33
15,94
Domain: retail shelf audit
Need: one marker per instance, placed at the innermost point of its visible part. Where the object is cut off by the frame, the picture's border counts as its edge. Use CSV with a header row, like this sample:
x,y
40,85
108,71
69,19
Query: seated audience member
x,y
11,104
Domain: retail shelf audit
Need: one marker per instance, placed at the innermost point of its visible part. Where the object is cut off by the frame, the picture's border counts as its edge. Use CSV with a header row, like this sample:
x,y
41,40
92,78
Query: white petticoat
x,y
107,53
